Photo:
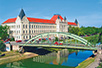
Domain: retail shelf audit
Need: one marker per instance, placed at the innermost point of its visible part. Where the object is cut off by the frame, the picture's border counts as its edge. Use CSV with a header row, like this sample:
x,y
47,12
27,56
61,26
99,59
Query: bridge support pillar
x,y
21,49
66,52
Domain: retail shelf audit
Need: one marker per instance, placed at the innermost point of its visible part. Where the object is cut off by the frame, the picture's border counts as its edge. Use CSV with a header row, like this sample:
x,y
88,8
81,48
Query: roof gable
x,y
55,17
22,14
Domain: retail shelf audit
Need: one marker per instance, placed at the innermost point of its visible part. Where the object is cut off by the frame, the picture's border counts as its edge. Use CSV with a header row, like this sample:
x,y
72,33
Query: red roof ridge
x,y
71,23
38,20
10,20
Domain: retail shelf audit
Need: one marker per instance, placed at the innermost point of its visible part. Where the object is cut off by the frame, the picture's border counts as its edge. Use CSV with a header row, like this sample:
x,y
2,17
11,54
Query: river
x,y
60,59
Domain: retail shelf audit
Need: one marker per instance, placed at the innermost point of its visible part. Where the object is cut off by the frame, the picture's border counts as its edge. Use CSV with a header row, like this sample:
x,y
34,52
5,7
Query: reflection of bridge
x,y
58,57
55,58
68,41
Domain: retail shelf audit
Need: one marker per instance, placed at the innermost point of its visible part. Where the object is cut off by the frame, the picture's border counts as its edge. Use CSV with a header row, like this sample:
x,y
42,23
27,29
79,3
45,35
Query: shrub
x,y
12,39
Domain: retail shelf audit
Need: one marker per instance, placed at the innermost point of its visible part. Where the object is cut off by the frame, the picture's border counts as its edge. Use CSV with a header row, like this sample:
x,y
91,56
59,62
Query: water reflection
x,y
17,64
55,57
62,58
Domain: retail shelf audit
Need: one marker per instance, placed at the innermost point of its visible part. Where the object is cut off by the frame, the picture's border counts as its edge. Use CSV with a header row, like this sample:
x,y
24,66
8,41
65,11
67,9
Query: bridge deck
x,y
61,46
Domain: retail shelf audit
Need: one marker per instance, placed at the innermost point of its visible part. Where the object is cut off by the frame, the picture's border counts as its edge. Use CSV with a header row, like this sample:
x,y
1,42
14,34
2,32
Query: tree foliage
x,y
74,30
3,32
2,46
12,39
82,31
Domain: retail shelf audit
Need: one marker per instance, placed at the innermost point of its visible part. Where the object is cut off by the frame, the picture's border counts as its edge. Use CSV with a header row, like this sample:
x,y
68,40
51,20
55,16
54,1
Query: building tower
x,y
77,22
22,14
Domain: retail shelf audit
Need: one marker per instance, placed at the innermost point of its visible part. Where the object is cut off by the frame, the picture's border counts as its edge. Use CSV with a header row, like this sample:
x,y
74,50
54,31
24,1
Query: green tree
x,y
100,37
12,39
2,46
3,32
73,30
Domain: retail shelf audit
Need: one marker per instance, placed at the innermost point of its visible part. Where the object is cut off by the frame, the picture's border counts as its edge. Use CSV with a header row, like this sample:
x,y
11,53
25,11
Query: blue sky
x,y
87,12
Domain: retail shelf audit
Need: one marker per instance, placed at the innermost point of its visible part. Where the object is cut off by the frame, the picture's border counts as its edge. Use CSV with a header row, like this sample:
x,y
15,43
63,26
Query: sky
x,y
87,12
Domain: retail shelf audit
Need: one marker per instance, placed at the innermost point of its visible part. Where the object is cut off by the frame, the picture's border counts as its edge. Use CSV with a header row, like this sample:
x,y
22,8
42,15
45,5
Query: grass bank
x,y
10,53
15,57
85,63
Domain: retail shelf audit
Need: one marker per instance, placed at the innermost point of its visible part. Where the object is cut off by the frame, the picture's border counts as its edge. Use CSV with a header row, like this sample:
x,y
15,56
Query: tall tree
x,y
3,32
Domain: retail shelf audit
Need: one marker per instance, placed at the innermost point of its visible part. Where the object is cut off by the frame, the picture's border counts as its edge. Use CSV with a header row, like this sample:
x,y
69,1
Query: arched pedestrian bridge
x,y
59,40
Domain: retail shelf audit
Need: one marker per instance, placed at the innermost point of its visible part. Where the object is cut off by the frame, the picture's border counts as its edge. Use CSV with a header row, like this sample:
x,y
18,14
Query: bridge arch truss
x,y
40,36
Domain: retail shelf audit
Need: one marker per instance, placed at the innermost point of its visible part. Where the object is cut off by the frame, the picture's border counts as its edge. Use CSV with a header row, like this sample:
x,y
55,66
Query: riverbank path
x,y
95,64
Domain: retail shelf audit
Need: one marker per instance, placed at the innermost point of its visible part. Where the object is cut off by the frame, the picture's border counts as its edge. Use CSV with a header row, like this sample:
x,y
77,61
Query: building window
x,y
23,31
32,31
29,26
32,26
23,37
30,37
26,26
19,37
19,31
26,31
29,31
26,37
23,26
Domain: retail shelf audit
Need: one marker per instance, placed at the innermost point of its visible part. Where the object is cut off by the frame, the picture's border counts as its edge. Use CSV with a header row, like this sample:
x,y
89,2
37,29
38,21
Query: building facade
x,y
24,28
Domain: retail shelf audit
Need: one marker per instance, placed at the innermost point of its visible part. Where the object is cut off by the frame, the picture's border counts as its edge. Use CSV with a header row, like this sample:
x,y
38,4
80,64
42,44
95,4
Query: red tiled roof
x,y
11,20
51,21
54,18
40,20
72,23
